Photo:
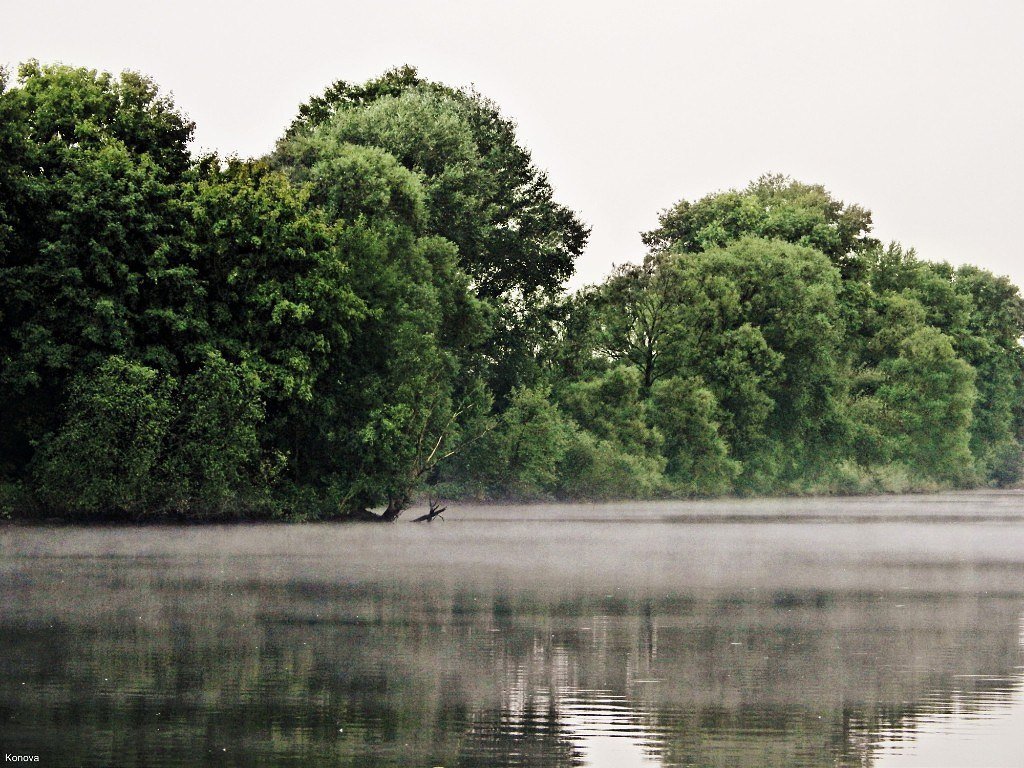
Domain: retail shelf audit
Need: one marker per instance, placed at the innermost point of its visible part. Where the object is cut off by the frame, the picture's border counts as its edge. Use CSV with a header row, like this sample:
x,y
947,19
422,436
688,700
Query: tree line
x,y
378,307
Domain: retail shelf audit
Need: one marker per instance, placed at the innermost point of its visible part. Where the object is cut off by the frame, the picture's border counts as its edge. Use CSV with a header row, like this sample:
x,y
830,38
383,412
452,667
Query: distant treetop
x,y
773,207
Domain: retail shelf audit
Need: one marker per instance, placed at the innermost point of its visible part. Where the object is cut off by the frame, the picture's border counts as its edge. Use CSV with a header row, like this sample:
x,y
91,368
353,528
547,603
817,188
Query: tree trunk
x,y
396,506
394,509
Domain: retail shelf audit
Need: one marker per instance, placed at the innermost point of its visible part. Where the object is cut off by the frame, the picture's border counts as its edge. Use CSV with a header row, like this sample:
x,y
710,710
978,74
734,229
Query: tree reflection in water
x,y
277,646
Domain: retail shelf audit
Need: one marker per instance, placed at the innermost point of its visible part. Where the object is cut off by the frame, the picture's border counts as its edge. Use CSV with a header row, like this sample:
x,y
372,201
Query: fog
x,y
798,632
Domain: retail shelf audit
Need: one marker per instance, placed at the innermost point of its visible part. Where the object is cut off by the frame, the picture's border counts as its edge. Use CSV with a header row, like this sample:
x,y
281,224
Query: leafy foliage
x,y
483,191
377,309
773,207
480,191
106,455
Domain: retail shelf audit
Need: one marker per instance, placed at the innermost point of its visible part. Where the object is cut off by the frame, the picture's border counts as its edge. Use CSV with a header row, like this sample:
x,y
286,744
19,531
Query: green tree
x,y
759,323
408,381
616,453
686,413
773,207
637,310
378,307
928,394
520,456
273,292
483,191
89,165
134,441
989,341
981,316
213,463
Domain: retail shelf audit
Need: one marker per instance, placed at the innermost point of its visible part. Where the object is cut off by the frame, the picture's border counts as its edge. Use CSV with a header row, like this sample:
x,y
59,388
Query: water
x,y
856,632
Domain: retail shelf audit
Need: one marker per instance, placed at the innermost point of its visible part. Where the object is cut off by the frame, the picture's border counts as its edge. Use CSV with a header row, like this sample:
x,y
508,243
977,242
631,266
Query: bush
x,y
15,501
686,414
519,458
135,442
104,457
599,469
1007,465
212,463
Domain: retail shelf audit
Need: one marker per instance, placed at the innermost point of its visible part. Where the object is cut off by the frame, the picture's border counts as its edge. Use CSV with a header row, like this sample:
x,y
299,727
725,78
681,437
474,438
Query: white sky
x,y
914,109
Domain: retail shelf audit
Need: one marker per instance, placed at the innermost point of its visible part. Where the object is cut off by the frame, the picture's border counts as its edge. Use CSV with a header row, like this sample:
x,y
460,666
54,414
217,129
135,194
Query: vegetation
x,y
378,307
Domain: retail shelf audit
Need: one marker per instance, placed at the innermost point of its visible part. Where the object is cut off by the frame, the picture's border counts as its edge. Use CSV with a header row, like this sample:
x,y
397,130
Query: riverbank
x,y
923,505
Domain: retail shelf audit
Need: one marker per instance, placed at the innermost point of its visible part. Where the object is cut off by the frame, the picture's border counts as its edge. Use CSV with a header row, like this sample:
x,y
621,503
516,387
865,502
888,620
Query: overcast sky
x,y
913,109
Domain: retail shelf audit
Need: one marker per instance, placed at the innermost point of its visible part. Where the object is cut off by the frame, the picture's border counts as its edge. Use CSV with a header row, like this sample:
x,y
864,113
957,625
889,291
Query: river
x,y
881,631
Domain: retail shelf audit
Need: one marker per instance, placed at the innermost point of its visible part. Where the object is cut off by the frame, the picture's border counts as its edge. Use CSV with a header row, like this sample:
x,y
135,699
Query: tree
x,y
980,315
105,457
402,389
89,165
773,207
377,308
214,464
520,456
759,324
134,441
928,394
687,415
637,308
611,407
273,292
989,340
483,191
616,453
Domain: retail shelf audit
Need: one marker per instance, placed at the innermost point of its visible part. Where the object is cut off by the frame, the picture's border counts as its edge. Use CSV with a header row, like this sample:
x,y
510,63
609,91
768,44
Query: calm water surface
x,y
854,632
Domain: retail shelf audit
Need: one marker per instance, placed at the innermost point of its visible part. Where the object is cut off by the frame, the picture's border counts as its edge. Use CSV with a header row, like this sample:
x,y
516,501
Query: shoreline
x,y
564,504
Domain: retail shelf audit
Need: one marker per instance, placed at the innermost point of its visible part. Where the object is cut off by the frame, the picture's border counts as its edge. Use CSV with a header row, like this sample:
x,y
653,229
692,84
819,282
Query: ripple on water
x,y
881,632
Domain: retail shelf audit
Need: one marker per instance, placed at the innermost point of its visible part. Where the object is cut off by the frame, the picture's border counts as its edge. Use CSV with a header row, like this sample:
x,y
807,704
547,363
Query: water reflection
x,y
606,732
519,643
981,723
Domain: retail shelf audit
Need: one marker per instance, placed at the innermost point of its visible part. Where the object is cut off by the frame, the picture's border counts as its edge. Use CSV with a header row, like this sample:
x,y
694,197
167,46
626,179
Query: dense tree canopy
x,y
89,166
378,308
483,191
773,207
318,327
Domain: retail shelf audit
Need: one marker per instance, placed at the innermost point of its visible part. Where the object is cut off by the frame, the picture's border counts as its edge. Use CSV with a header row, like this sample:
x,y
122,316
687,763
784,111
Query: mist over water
x,y
804,632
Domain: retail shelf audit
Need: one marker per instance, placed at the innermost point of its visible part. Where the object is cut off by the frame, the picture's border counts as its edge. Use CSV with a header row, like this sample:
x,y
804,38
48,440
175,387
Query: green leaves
x,y
469,182
928,394
134,442
482,191
776,342
104,457
773,207
89,166
273,285
688,416
377,308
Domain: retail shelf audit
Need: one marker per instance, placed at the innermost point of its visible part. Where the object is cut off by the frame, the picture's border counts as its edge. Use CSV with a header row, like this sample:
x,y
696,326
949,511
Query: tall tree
x,y
401,392
481,191
89,165
758,323
484,192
